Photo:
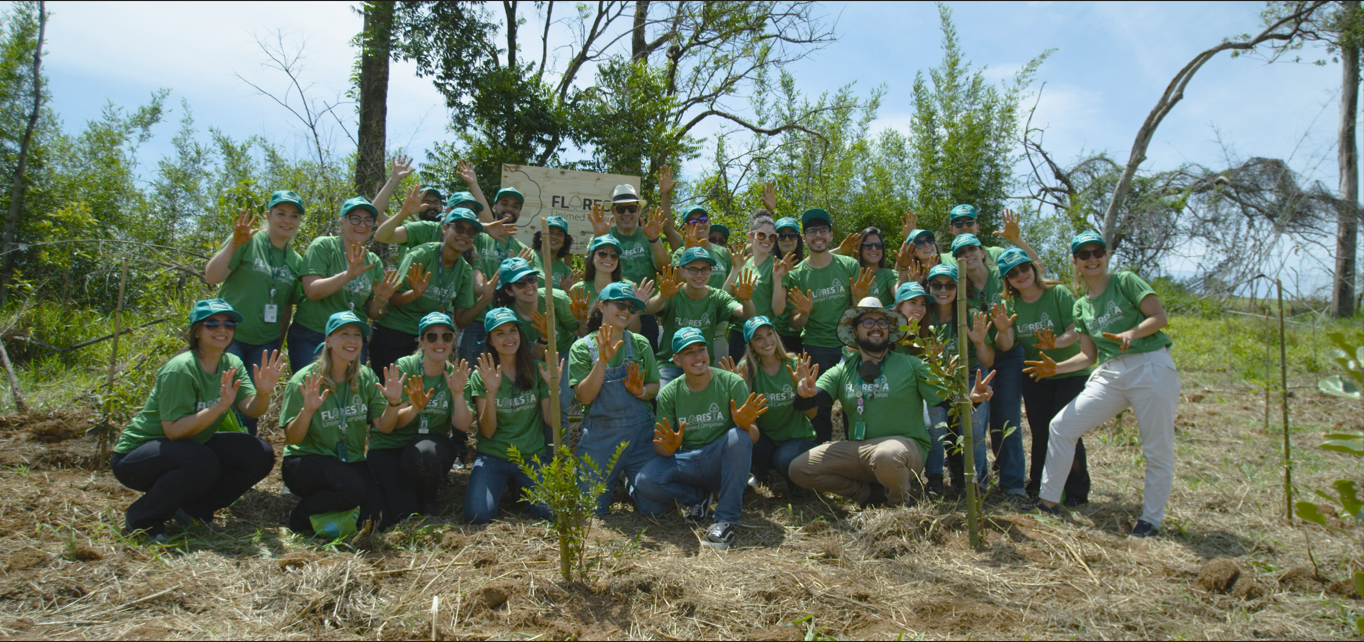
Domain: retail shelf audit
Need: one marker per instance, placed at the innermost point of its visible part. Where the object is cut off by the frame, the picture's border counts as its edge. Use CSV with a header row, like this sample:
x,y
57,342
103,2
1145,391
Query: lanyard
x,y
276,271
341,449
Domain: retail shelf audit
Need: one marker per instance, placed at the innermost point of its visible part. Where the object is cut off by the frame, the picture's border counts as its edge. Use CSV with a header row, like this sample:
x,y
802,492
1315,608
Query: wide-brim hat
x,y
847,333
624,194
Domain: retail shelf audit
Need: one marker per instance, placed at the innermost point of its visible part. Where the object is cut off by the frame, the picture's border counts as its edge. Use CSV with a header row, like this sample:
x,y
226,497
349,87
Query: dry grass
x,y
1228,567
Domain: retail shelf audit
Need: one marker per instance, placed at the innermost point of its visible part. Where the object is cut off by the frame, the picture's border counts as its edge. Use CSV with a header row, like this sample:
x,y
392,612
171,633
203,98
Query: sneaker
x,y
192,522
935,488
1072,502
697,513
720,536
1144,529
876,498
1038,505
753,481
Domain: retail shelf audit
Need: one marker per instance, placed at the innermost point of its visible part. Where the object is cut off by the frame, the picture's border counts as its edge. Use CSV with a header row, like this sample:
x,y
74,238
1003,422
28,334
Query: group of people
x,y
703,366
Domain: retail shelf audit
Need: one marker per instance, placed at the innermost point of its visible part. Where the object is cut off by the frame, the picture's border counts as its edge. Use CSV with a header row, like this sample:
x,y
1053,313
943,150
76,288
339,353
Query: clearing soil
x,y
1228,565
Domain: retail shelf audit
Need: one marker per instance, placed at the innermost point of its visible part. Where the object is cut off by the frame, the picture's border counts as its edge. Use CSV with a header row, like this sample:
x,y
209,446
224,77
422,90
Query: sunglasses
x,y
626,306
365,221
764,237
871,324
528,282
463,229
699,219
214,325
873,246
443,337
788,236
938,286
626,209
697,271
603,254
923,242
963,222
1016,272
1084,255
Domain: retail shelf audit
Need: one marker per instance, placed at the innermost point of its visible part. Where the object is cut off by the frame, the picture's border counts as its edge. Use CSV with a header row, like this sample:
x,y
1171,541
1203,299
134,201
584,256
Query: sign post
x,y
560,192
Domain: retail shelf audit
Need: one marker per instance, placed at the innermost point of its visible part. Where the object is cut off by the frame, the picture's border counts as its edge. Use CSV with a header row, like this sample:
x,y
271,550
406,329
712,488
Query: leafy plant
x,y
568,486
1350,385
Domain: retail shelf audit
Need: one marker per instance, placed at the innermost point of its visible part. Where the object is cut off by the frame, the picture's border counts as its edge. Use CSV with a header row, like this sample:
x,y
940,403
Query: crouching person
x,y
711,451
883,394
175,450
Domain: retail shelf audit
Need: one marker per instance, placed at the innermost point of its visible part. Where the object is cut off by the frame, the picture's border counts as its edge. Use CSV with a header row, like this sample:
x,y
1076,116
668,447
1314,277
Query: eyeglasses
x,y
603,254
528,282
354,219
873,246
963,222
764,237
822,230
938,286
443,337
697,271
1084,255
788,236
214,325
923,242
626,209
626,306
871,323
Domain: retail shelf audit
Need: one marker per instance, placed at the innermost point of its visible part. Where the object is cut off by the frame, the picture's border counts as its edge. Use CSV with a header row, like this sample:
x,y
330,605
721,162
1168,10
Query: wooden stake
x,y
964,415
106,432
552,365
1283,401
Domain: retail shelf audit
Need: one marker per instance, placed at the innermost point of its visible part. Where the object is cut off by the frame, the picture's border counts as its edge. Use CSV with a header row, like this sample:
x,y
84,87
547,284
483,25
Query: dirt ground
x,y
1228,565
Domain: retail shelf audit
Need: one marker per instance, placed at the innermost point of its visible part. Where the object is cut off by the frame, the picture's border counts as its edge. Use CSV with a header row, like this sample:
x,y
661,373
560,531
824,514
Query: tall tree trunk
x,y
639,47
16,194
1347,213
375,43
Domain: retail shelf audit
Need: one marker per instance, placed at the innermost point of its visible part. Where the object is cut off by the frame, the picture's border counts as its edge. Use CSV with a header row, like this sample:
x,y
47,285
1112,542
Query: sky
x,y
1111,63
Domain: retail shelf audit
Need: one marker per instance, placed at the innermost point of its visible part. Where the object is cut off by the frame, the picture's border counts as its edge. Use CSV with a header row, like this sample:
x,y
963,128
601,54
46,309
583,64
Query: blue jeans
x,y
667,372
303,344
823,420
778,455
720,467
251,357
940,431
471,340
1006,408
487,482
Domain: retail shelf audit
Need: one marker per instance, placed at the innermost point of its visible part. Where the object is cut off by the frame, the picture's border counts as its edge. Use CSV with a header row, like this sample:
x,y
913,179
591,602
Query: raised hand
x,y
743,285
383,290
491,373
457,378
413,201
803,302
243,228
355,261
979,328
313,395
550,375
598,220
1010,231
490,286
634,380
668,283
500,229
770,197
227,388
806,375
739,255
1003,320
1044,339
727,363
653,226
465,170
665,180
416,395
402,168
904,258
578,305
644,290
267,373
783,267
693,235
608,342
861,286
1124,339
744,416
981,392
665,438
540,323
418,278
527,254
1040,369
569,279
909,221
851,245
392,387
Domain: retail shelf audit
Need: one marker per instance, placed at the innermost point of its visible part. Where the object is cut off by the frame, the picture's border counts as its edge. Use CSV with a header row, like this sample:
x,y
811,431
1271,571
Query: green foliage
x,y
1349,358
568,486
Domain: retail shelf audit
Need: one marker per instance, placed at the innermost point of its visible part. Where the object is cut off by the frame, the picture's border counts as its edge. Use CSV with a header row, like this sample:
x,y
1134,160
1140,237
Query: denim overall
x,y
616,416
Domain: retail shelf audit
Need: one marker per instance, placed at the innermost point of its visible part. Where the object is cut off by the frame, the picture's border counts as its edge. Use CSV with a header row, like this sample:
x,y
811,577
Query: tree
x,y
16,199
375,44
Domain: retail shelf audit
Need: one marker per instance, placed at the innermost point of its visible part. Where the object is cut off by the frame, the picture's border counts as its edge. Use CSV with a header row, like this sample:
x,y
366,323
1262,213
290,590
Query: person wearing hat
x,y
401,230
765,267
339,275
884,393
942,317
821,288
437,279
870,253
258,270
767,369
602,268
1040,316
911,301
719,234
560,245
1119,318
180,450
510,401
411,459
711,450
697,220
694,303
520,292
614,373
642,253
496,244
917,256
789,244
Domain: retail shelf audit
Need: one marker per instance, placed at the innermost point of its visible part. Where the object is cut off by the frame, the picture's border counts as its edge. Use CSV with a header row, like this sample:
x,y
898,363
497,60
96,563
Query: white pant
x,y
1148,384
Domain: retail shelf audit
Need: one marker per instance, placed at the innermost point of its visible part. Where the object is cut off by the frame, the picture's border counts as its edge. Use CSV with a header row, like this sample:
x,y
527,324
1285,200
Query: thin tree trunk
x,y
1347,212
16,195
372,136
638,45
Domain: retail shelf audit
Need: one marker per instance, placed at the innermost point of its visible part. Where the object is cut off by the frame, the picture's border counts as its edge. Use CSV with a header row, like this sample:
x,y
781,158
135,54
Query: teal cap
x,y
430,189
813,215
432,319
1087,237
942,269
559,222
914,235
1011,259
605,239
209,307
464,199
751,326
463,214
692,210
907,291
685,337
286,196
510,191
514,269
342,319
787,222
354,202
716,227
694,254
963,211
964,240
620,291
499,316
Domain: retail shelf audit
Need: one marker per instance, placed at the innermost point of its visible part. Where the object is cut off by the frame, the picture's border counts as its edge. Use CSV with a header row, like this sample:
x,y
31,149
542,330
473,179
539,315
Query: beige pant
x,y
849,467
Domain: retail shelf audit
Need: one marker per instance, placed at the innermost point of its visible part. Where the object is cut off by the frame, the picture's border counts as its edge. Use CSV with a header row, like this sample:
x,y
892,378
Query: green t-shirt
x,y
565,324
782,421
893,405
636,257
491,252
883,287
723,263
831,289
706,411
326,257
559,269
946,332
446,288
420,232
681,311
991,251
261,274
519,422
1055,311
588,288
434,419
182,388
581,357
330,426
1117,309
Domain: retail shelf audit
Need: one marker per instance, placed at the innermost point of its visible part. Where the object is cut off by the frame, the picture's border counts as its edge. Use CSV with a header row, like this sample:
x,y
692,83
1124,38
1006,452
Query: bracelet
x,y
393,404
653,240
542,341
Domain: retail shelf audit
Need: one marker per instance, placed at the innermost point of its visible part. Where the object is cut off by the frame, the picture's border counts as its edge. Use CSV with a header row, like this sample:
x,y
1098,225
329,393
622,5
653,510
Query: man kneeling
x,y
883,395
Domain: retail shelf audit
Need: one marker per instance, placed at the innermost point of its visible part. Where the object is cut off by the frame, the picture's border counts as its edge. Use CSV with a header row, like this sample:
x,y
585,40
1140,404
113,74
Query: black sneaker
x,y
1072,502
1144,529
720,536
697,513
876,498
935,488
1038,505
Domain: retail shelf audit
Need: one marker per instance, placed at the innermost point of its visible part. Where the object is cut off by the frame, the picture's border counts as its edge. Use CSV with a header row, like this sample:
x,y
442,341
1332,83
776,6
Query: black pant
x,y
737,345
388,345
186,475
409,476
1043,400
793,343
648,326
823,422
328,485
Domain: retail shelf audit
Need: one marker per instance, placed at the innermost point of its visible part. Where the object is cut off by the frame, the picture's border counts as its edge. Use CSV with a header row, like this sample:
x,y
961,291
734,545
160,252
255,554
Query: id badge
x,y
341,452
859,431
422,430
271,313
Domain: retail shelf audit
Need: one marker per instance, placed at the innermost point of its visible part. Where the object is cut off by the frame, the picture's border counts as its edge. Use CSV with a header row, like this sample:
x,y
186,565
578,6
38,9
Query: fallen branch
x,y
78,346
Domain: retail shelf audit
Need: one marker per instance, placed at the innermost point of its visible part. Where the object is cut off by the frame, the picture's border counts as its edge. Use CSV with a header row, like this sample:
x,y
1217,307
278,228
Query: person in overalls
x,y
614,373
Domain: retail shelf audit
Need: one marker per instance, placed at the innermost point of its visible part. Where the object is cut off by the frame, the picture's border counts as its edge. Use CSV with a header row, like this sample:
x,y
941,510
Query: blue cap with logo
x,y
685,337
209,307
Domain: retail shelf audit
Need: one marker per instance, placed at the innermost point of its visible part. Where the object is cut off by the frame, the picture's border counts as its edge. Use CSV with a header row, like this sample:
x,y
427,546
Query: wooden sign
x,y
561,192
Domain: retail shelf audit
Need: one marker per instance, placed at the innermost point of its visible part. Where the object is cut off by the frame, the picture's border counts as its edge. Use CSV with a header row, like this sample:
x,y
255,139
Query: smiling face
x,y
615,313
606,259
925,248
524,291
218,338
787,241
459,236
697,274
966,226
430,204
627,217
764,237
872,250
556,240
345,344
872,330
507,209
913,309
764,341
971,257
505,339
436,342
693,359
284,220
1022,277
1092,266
817,237
943,290
357,226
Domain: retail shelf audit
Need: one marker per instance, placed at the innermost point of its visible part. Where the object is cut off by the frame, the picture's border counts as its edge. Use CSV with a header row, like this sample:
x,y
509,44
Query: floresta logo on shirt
x,y
634,253
878,388
520,400
1100,323
360,285
280,275
781,399
1030,329
357,408
839,290
715,417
